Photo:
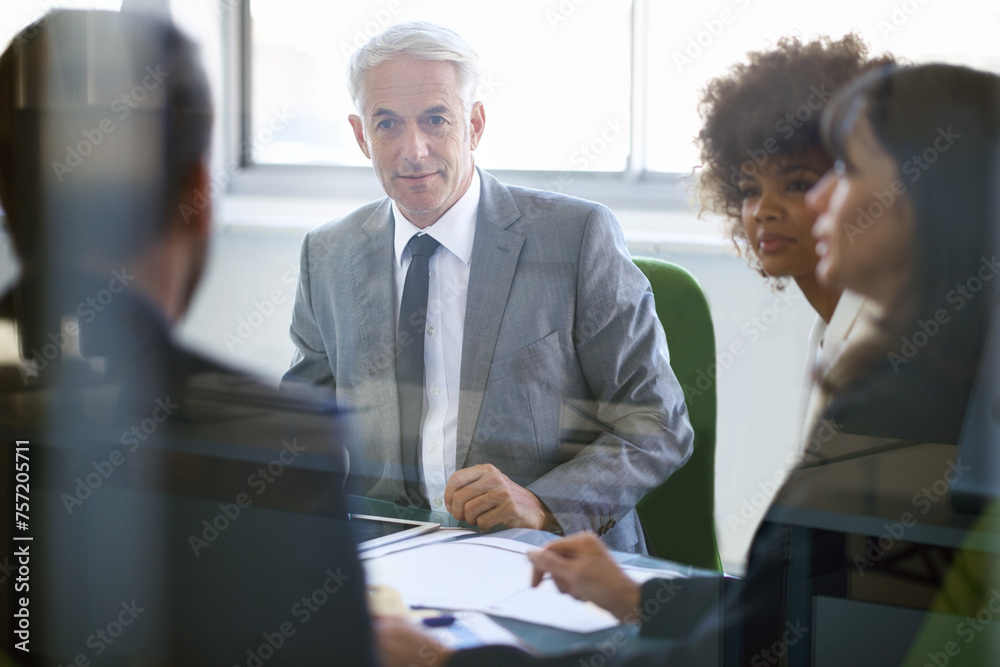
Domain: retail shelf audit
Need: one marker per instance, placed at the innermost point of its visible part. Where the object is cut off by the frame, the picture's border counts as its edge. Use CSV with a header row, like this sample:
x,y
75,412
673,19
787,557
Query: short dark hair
x,y
125,87
769,105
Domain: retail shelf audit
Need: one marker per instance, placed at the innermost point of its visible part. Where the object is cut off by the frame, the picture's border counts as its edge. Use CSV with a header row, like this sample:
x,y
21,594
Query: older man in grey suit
x,y
499,347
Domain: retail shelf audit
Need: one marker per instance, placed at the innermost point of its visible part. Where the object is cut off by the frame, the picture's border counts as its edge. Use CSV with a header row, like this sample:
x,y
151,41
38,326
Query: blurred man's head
x,y
105,123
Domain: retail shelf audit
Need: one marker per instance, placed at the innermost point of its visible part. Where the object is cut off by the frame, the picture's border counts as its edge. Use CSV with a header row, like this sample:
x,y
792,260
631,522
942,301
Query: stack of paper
x,y
488,574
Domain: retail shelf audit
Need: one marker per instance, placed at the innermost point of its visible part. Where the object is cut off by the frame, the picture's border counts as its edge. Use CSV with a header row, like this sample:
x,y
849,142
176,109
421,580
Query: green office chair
x,y
678,516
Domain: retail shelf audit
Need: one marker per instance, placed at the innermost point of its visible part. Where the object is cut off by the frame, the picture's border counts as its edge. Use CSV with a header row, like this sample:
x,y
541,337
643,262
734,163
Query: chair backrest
x,y
679,515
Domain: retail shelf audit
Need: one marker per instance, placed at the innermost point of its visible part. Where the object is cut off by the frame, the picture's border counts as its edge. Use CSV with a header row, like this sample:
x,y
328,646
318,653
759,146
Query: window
x,y
578,85
689,44
596,97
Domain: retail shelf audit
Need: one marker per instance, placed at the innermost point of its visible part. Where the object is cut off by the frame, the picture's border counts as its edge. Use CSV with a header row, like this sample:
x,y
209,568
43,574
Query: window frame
x,y
633,188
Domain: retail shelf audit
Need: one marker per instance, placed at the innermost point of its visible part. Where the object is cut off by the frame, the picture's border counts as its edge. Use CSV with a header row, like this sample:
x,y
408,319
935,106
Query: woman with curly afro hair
x,y
761,150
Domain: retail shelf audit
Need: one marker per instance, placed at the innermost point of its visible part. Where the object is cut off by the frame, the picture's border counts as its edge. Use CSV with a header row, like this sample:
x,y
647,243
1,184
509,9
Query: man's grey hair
x,y
421,40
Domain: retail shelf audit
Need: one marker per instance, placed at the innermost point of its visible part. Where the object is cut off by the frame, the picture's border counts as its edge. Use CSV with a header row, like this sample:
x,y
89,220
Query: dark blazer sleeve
x,y
671,608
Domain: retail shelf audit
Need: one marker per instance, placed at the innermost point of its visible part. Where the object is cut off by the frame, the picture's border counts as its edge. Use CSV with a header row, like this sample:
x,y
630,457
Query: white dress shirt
x,y
446,299
826,343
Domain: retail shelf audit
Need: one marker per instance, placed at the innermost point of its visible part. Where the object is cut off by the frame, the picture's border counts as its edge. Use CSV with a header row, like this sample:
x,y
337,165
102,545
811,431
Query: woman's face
x,y
775,217
864,228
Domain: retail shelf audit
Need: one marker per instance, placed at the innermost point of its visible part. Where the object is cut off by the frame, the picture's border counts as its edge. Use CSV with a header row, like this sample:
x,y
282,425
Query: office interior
x,y
597,100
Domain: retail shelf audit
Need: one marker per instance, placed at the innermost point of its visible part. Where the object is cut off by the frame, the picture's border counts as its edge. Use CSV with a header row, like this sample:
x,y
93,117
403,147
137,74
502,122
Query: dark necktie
x,y
410,359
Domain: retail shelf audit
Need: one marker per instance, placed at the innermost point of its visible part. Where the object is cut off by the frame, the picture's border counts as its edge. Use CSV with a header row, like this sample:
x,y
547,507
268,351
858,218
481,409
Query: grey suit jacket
x,y
565,381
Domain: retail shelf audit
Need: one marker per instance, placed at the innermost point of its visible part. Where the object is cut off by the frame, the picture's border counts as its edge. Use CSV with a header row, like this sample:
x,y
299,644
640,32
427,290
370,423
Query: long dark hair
x,y
941,123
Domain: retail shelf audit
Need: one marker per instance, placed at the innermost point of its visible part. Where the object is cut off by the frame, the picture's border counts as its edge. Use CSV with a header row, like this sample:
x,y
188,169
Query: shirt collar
x,y
455,230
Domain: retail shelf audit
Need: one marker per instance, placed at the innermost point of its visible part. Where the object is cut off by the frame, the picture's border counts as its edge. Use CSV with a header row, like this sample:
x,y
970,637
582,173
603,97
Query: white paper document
x,y
641,575
492,577
501,543
545,605
440,535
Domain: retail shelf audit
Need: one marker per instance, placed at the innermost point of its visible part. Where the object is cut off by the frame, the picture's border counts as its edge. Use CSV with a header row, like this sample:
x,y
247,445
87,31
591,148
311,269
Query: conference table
x,y
544,639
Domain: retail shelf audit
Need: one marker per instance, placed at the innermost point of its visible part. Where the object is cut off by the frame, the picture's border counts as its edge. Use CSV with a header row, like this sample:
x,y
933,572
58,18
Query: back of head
x,y
415,39
102,117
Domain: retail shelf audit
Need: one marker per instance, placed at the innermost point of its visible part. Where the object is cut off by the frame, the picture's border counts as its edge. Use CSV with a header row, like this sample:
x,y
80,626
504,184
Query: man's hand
x,y
399,642
485,497
581,566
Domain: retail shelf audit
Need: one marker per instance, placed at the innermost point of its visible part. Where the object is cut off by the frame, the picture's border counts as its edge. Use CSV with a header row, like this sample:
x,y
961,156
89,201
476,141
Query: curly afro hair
x,y
769,106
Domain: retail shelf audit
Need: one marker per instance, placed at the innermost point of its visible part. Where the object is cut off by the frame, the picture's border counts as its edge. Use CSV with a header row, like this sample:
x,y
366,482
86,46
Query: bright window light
x,y
556,82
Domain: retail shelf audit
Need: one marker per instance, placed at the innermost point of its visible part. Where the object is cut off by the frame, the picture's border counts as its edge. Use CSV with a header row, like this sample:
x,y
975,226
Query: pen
x,y
439,621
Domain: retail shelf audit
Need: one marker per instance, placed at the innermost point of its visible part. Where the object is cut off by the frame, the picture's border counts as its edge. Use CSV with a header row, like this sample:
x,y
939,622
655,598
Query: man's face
x,y
417,134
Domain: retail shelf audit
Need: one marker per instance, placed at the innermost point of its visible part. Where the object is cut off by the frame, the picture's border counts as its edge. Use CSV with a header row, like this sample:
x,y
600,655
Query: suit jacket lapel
x,y
372,272
495,253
